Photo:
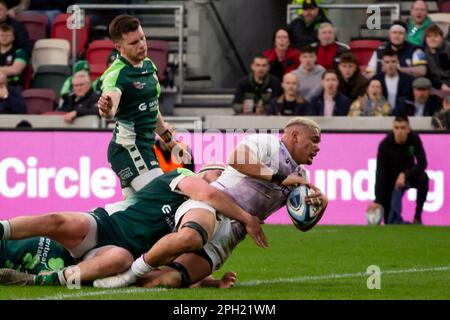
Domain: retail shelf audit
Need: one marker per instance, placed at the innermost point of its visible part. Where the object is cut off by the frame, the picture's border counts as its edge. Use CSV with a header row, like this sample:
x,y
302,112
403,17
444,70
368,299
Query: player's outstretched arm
x,y
198,189
244,160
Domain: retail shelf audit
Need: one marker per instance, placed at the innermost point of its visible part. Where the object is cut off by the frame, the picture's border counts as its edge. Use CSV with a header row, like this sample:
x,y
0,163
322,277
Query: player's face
x,y
306,145
401,131
133,46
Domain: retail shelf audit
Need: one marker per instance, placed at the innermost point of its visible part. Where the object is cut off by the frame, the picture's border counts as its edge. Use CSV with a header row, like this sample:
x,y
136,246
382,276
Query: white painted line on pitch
x,y
61,296
336,276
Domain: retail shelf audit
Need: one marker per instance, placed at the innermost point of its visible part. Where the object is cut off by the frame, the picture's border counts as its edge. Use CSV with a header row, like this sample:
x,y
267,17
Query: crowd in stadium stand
x,y
409,74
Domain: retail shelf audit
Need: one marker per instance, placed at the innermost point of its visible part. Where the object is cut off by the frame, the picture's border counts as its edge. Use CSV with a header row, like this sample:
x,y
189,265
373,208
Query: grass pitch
x,y
328,262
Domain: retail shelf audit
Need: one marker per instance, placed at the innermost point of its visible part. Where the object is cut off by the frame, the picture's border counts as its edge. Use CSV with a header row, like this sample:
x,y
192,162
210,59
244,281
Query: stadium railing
x,y
221,122
292,9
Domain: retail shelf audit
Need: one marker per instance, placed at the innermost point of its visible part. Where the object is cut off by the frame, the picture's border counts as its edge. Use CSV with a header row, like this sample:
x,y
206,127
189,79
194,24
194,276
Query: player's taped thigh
x,y
89,241
185,278
197,227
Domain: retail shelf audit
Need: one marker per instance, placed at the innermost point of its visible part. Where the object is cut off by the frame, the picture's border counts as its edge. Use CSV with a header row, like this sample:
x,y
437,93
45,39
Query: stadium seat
x,y
27,75
363,49
39,101
99,51
158,52
51,77
60,31
36,24
444,6
50,51
96,70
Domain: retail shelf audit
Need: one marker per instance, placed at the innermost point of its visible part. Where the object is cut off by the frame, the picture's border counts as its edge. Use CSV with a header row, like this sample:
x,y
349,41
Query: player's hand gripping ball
x,y
301,214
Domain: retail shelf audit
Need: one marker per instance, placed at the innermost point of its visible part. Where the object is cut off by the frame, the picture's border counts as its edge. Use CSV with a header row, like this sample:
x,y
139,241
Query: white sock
x,y
6,230
140,268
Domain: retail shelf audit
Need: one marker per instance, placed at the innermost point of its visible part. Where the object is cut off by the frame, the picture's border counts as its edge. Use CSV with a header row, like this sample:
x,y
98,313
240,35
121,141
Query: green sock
x,y
49,279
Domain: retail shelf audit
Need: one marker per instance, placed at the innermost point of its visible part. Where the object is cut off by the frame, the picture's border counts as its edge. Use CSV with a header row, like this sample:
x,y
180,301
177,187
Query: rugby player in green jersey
x,y
130,92
109,239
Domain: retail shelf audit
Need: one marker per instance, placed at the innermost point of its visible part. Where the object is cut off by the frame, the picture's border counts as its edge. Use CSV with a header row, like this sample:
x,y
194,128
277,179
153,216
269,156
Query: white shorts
x,y
227,234
191,204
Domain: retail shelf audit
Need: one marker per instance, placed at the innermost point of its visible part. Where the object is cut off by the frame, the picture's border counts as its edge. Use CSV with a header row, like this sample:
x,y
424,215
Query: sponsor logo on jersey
x,y
138,85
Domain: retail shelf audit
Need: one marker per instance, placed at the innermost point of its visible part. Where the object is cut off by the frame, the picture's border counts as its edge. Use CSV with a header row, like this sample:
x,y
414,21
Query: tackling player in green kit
x,y
108,239
130,92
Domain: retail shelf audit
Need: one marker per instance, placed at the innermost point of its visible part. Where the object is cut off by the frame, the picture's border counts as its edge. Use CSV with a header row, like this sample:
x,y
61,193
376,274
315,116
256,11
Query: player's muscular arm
x,y
108,103
246,162
198,189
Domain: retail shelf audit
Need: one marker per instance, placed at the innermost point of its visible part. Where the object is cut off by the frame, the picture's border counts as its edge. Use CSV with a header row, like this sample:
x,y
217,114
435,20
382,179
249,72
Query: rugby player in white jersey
x,y
262,171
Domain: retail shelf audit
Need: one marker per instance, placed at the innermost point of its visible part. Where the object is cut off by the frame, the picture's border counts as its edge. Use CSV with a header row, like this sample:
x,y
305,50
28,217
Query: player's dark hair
x,y
122,24
401,119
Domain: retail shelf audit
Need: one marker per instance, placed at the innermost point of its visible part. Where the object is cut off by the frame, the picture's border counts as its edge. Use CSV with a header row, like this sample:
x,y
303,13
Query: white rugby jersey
x,y
261,198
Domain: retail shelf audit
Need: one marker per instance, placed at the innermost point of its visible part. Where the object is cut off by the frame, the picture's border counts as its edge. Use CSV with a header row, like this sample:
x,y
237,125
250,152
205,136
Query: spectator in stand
x,y
84,99
282,59
21,39
397,86
328,49
309,74
169,159
372,104
51,8
352,83
11,101
401,164
411,57
418,22
67,88
303,29
289,103
441,120
437,52
423,104
300,3
254,92
331,102
12,60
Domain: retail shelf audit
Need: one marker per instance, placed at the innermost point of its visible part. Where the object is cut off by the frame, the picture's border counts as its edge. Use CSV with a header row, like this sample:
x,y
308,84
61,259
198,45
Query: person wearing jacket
x,y
401,164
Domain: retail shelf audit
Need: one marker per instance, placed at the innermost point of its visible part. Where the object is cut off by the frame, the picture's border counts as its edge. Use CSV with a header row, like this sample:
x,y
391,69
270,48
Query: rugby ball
x,y
374,216
301,214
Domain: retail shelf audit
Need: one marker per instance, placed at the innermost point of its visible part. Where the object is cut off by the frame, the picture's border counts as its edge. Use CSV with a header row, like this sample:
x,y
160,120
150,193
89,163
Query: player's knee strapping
x,y
202,232
185,278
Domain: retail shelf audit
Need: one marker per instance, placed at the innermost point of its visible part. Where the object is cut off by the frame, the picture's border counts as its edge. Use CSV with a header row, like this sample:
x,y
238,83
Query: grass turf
x,y
328,262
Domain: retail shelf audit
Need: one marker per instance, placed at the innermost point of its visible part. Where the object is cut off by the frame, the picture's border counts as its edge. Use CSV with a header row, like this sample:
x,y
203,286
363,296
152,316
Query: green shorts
x,y
107,231
129,162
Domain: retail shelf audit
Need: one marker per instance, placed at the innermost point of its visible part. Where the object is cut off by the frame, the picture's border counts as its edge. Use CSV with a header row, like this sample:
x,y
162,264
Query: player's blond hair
x,y
304,122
